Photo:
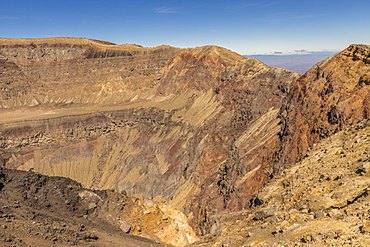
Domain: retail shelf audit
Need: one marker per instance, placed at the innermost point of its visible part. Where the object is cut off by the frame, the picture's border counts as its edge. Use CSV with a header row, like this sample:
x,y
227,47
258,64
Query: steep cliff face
x,y
322,200
331,96
196,127
70,71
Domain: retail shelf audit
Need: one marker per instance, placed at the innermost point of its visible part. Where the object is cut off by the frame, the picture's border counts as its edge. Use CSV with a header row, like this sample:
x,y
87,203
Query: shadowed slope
x,y
39,210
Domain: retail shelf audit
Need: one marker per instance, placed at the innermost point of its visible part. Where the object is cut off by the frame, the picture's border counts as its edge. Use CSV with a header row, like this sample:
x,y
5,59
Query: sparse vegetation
x,y
103,42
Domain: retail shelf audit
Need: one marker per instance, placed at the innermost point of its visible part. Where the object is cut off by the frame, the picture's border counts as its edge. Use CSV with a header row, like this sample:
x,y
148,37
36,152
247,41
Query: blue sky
x,y
247,27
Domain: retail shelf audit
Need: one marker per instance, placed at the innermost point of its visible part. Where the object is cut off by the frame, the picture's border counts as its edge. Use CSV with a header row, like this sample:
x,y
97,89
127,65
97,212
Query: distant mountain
x,y
299,63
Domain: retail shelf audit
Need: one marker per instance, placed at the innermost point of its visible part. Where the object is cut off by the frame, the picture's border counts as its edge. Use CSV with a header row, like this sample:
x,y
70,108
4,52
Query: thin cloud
x,y
3,17
165,10
255,4
286,16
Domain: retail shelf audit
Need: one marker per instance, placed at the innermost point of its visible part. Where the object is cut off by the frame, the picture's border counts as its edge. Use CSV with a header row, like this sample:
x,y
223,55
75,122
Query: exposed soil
x,y
37,210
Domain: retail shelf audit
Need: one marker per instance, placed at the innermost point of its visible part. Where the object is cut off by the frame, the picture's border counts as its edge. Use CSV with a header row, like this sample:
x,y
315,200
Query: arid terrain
x,y
37,210
173,144
321,201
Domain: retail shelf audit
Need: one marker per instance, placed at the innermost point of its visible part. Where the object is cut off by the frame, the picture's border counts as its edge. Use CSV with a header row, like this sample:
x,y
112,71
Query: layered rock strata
x,y
196,127
322,200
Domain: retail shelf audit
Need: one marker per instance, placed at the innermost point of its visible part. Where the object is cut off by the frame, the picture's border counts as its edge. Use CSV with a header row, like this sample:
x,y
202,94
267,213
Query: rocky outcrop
x,y
321,201
179,124
62,49
331,96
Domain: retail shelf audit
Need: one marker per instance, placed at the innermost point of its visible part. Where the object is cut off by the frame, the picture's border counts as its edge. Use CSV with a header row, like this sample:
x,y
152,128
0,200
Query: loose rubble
x,y
321,201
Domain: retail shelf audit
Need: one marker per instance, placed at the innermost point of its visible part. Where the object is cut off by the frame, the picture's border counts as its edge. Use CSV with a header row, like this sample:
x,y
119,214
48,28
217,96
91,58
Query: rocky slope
x,y
196,128
189,134
331,96
37,210
321,201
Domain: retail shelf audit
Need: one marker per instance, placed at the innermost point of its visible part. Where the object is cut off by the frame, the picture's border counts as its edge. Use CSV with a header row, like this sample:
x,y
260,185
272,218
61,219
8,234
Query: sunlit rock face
x,y
331,96
321,196
197,127
323,200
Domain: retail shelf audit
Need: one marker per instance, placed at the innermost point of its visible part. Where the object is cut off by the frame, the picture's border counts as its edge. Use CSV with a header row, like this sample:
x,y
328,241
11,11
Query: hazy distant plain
x,y
299,63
